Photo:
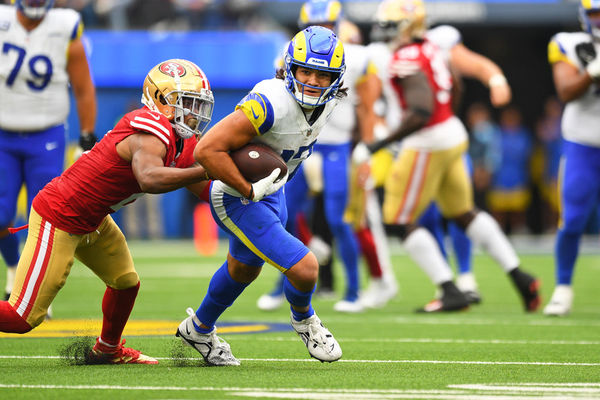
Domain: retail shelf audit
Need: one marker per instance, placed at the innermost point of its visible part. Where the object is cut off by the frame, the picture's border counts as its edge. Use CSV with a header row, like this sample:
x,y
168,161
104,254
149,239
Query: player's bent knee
x,y
305,272
11,321
126,281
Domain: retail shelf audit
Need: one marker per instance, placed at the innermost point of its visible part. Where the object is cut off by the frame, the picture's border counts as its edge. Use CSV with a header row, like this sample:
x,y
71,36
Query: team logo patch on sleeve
x,y
259,111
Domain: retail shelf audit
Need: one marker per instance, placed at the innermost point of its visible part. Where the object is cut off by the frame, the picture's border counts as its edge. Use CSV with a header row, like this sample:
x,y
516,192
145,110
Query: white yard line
x,y
541,363
494,391
445,341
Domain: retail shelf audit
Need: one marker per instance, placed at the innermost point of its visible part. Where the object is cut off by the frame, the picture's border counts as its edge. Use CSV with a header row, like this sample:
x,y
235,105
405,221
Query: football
x,y
256,161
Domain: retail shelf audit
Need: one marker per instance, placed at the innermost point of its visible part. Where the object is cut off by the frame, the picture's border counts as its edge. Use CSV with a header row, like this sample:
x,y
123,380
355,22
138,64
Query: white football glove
x,y
593,68
361,154
267,186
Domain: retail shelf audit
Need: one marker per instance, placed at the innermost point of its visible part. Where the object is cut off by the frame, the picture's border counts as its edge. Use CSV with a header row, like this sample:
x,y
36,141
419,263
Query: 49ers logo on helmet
x,y
173,69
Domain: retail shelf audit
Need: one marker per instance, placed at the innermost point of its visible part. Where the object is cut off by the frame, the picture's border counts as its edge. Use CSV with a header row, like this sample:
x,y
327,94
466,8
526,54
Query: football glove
x,y
593,68
361,153
585,52
87,140
267,186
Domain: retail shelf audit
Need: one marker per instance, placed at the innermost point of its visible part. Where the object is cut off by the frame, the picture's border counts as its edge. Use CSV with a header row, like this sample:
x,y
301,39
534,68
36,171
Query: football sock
x,y
348,251
10,321
566,250
462,247
296,297
116,308
298,316
369,251
9,248
422,248
485,231
222,292
11,273
432,221
380,238
278,289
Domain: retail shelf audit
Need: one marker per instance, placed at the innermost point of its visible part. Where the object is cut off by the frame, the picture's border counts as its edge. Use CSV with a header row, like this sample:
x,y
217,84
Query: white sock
x,y
424,250
485,232
11,273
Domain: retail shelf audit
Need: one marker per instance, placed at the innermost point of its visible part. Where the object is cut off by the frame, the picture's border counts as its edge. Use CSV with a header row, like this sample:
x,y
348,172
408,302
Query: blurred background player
x,y
464,62
575,64
327,171
286,113
430,163
148,151
42,53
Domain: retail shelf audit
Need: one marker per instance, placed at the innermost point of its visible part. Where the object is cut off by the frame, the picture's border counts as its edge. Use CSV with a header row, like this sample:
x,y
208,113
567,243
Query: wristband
x,y
497,80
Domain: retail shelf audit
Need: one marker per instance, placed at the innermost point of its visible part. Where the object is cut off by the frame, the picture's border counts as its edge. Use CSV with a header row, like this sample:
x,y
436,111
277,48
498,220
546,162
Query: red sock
x,y
367,246
304,233
116,307
10,321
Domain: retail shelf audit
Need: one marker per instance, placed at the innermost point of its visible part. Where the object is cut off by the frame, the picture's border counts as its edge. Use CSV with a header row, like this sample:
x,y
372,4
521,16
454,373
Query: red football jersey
x,y
428,58
100,182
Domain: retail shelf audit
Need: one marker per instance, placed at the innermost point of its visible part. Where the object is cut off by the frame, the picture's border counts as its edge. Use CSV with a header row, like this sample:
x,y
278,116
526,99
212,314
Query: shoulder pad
x,y
259,111
153,123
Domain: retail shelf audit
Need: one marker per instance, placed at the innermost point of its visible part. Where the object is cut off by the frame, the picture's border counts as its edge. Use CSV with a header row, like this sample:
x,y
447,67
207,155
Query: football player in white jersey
x,y
575,60
41,54
430,166
330,177
286,113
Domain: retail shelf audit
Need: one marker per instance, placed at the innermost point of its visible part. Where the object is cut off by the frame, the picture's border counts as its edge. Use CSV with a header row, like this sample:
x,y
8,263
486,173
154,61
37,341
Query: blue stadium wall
x,y
233,62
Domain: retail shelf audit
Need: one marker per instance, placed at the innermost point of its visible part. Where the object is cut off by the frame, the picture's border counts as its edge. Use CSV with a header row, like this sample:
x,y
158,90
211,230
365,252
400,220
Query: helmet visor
x,y
197,109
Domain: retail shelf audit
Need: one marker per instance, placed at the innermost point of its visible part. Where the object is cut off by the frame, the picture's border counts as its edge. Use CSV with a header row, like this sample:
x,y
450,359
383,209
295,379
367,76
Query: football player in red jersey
x,y
429,166
150,150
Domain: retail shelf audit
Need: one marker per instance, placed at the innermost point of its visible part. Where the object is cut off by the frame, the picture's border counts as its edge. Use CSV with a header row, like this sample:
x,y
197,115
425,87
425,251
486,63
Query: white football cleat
x,y
379,292
269,302
347,306
213,349
561,302
318,340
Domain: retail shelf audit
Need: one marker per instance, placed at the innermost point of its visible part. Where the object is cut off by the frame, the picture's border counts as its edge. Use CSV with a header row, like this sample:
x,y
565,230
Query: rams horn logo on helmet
x,y
172,69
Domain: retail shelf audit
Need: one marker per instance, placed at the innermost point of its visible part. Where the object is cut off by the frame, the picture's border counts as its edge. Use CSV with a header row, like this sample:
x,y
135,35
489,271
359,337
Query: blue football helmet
x,y
34,9
317,48
320,12
590,25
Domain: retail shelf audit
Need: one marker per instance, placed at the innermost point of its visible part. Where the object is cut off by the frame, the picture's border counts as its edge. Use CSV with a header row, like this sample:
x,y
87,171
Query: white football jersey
x,y
33,78
343,119
581,117
281,124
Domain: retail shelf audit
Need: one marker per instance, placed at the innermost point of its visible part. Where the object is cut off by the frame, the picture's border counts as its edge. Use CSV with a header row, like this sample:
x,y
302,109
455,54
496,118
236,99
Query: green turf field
x,y
492,351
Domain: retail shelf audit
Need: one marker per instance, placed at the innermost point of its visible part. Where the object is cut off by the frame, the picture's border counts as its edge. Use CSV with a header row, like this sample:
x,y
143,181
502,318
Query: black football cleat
x,y
528,287
452,299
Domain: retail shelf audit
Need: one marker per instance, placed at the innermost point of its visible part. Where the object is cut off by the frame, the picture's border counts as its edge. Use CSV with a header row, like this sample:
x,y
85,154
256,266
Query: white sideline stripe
x,y
447,341
543,363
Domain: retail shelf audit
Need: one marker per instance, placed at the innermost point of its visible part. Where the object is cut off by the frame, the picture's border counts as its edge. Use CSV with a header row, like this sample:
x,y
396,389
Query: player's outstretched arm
x,y
146,153
368,91
83,88
474,65
212,151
